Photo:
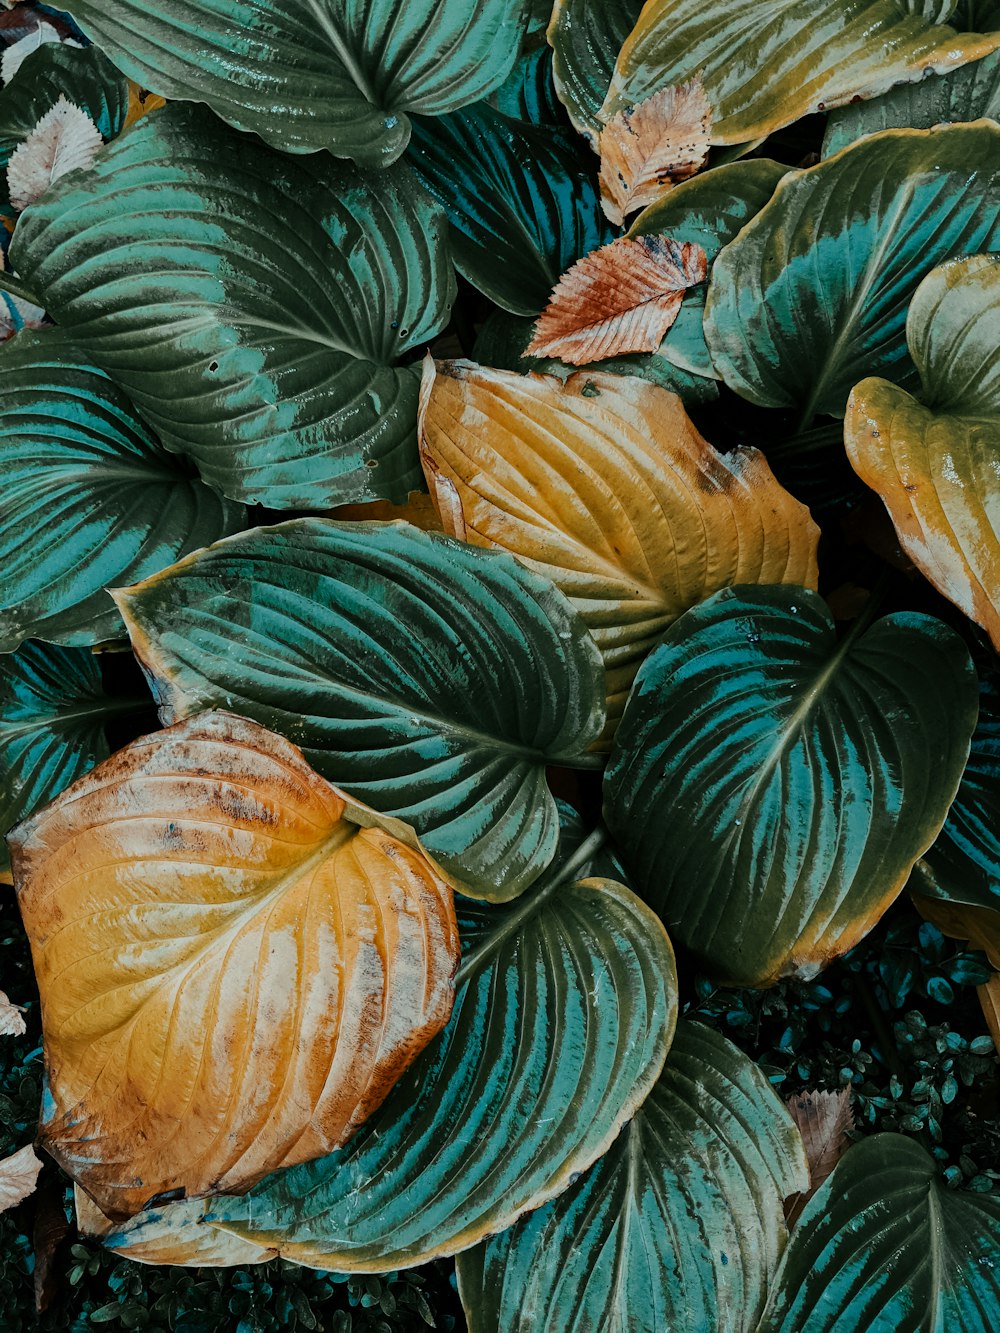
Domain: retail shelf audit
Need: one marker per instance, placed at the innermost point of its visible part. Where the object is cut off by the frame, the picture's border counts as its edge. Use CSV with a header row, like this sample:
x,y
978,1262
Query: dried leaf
x,y
17,53
11,1022
176,1233
989,998
418,509
140,103
65,139
18,1174
823,1119
50,1230
621,298
980,926
648,148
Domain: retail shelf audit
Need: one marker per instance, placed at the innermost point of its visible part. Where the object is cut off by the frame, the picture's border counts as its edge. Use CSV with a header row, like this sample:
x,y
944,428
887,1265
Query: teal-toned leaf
x,y
431,680
336,74
586,36
253,306
812,295
52,715
885,1246
522,201
709,210
771,788
88,498
528,92
565,1008
173,1234
679,1226
969,93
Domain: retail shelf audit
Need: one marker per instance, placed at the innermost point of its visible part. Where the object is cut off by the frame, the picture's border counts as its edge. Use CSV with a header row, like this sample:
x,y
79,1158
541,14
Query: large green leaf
x,y
565,1008
430,679
522,204
884,1246
586,36
528,93
90,499
679,1226
254,306
336,74
768,63
811,296
52,715
771,788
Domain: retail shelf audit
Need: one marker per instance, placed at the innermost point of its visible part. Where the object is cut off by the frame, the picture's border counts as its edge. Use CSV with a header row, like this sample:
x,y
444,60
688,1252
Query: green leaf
x,y
794,56
565,1008
52,715
811,296
431,680
522,201
528,92
969,93
710,209
90,499
253,306
885,1246
320,74
679,1226
586,37
771,788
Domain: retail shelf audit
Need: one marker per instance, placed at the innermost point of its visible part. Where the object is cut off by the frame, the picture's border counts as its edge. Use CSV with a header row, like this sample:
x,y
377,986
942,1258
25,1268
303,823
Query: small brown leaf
x,y
11,1022
18,1174
621,298
50,1231
649,148
823,1119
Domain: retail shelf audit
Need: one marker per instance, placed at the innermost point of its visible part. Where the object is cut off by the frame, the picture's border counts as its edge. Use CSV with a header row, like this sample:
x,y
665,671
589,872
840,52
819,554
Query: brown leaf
x,y
649,148
51,1229
989,998
980,926
11,1022
823,1119
621,298
18,1174
418,509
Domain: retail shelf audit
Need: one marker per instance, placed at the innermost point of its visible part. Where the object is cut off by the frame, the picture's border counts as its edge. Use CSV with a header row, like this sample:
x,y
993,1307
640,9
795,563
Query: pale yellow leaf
x,y
175,1233
11,1020
18,1175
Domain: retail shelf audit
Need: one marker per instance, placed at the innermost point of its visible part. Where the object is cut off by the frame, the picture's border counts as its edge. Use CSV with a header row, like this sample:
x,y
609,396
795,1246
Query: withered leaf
x,y
823,1119
64,140
621,298
989,998
18,1174
11,1021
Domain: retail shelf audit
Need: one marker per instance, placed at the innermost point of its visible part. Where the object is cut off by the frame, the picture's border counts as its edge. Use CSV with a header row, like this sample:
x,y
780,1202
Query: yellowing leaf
x,y
989,998
11,1021
418,510
174,1234
64,140
235,962
621,298
140,103
18,1174
823,1120
603,485
962,921
650,147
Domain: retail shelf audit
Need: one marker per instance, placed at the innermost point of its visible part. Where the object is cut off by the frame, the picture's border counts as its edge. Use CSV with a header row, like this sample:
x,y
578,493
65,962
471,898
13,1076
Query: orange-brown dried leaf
x,y
235,962
824,1120
980,926
417,509
989,998
18,1175
140,103
621,298
649,148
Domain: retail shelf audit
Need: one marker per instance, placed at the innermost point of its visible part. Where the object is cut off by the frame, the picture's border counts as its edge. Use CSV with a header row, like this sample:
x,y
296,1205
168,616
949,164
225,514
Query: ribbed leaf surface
x,y
585,38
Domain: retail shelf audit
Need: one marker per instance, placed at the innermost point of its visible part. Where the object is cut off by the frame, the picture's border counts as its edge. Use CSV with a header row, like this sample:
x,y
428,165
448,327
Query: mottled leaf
x,y
823,1120
173,1234
585,38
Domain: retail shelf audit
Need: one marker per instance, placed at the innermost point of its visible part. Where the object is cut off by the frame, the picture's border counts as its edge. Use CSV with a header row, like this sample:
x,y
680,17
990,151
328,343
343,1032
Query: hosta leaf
x,y
679,1226
795,56
771,788
336,74
88,497
529,93
522,204
173,1234
989,999
52,716
933,458
885,1246
812,294
586,36
980,926
433,681
564,1013
266,304
549,471
235,964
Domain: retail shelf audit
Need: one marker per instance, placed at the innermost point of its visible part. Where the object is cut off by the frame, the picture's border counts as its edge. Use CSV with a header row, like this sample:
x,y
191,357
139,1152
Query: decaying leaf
x,y
64,140
650,147
48,1235
980,926
989,998
235,962
824,1119
18,1174
140,103
174,1234
621,298
17,53
11,1020
418,509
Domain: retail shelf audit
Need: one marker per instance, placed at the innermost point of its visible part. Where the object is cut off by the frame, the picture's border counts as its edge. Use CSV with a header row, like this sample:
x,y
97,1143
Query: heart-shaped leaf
x,y
267,302
528,92
522,200
885,1245
678,1226
932,458
52,715
90,498
811,296
765,65
235,964
431,680
564,1011
320,74
173,1234
585,38
771,788
549,471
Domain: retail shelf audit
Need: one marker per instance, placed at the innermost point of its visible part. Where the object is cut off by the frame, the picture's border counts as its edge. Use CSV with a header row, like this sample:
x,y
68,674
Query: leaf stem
x,y
590,761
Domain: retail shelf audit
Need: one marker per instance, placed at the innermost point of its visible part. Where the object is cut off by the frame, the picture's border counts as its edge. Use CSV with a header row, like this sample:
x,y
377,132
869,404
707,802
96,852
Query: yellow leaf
x,y
823,1120
235,962
603,485
621,298
989,998
648,148
961,921
18,1174
140,103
